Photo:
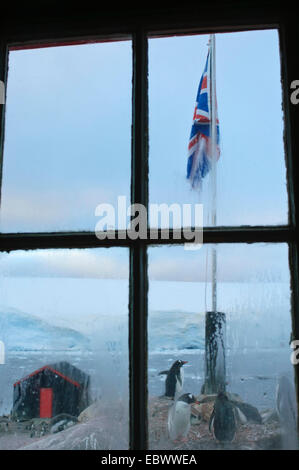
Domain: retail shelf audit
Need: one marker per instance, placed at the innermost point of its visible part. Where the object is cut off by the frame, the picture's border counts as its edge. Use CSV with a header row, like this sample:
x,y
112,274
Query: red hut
x,y
51,390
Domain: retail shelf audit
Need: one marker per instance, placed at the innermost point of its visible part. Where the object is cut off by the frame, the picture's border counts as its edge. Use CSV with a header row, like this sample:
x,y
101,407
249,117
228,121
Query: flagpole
x,y
213,164
215,370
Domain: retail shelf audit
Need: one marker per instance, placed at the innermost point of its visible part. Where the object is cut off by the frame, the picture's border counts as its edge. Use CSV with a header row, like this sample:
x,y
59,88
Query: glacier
x,y
21,331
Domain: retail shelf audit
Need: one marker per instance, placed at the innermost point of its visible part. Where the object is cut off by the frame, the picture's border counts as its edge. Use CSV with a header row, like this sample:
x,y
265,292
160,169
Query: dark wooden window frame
x,y
139,25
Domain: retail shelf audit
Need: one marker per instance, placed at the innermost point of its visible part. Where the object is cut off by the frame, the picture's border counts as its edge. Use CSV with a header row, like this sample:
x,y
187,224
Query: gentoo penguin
x,y
250,413
174,380
287,413
179,416
222,419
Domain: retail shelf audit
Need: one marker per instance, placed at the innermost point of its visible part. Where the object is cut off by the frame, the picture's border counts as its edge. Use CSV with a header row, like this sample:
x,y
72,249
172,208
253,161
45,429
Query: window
x,y
252,177
54,305
59,238
53,117
253,295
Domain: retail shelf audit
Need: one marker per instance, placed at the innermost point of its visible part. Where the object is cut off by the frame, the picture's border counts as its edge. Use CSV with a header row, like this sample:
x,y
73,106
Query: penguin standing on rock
x,y
222,419
179,417
174,380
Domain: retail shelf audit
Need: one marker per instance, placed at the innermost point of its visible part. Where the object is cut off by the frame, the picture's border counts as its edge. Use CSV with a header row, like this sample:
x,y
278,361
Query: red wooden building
x,y
51,390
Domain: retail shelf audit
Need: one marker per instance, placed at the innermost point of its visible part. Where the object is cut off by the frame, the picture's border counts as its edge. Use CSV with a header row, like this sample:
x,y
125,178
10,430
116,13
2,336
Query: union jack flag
x,y
200,148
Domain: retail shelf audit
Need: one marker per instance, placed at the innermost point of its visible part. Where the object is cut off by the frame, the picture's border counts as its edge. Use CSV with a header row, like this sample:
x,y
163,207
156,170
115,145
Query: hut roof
x,y
65,370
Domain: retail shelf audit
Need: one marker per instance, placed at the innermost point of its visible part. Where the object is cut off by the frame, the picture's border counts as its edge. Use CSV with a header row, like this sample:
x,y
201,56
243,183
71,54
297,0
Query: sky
x,y
82,288
67,135
251,170
68,148
68,130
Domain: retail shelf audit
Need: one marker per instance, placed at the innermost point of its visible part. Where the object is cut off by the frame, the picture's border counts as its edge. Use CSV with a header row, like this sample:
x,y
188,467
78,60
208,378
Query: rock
x,y
207,410
249,436
272,441
63,416
269,416
196,410
195,420
4,426
195,414
90,412
202,411
58,426
61,425
96,434
37,426
4,419
206,398
69,424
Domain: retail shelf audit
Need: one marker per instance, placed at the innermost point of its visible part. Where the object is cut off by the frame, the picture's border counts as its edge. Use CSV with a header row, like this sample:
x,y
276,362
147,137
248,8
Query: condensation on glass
x,y
253,297
67,142
251,173
64,378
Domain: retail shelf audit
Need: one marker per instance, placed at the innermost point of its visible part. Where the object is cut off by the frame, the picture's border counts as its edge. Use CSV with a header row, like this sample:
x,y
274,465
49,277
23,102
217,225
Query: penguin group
x,y
227,413
179,414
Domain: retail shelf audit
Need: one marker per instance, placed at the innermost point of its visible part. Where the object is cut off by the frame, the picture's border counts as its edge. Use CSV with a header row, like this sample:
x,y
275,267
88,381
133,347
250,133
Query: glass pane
x,y
67,135
64,379
240,348
251,175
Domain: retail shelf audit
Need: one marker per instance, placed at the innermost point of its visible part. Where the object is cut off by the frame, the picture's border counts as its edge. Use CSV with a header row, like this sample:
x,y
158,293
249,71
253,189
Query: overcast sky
x,y
84,286
68,130
251,170
68,149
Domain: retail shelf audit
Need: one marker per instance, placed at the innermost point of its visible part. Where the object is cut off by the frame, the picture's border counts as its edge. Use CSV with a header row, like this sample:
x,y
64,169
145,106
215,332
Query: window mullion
x,y
3,74
289,68
138,251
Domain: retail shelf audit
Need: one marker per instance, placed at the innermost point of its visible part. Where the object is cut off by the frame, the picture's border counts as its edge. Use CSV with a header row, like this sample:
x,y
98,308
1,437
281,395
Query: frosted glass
x,y
64,330
253,291
67,135
251,174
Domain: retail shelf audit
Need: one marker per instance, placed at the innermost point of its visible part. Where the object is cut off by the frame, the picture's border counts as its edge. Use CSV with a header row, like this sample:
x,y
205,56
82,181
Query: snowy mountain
x,y
167,330
23,332
175,330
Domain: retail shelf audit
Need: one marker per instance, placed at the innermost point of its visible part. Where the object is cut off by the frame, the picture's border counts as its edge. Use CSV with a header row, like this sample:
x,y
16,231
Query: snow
x,y
23,332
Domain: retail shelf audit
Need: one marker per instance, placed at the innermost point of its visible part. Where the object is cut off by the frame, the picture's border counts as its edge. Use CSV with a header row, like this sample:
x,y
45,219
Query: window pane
x,y
251,175
67,135
64,380
253,296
